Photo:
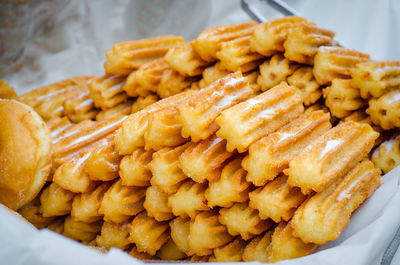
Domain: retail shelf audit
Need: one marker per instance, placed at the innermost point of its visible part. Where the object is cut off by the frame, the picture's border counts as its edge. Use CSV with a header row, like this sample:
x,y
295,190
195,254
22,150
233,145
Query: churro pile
x,y
250,143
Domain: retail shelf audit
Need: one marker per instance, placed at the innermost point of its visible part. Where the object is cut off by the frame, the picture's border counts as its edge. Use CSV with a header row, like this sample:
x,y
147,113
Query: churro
x,y
199,112
331,156
231,186
242,220
134,170
376,78
121,202
131,133
85,206
185,60
209,42
276,200
156,204
165,170
107,91
387,155
113,235
303,40
336,62
246,122
148,234
274,71
236,55
271,154
124,57
189,200
306,85
385,111
204,160
55,201
342,98
323,216
206,233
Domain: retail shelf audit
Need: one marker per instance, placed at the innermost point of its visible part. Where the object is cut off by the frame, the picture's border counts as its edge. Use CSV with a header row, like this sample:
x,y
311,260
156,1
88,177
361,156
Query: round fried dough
x,y
25,153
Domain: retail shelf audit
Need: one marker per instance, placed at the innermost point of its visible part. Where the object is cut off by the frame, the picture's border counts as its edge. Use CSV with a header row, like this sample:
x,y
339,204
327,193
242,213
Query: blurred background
x,y
43,41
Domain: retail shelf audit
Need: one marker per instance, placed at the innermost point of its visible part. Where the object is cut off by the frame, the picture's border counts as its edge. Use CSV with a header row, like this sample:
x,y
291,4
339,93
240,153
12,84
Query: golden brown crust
x,y
376,78
57,225
145,80
103,162
180,231
156,204
134,170
303,40
56,201
385,111
131,133
387,155
276,200
170,251
72,174
231,252
323,216
331,156
25,150
185,60
49,100
271,154
231,187
211,74
189,200
164,130
209,42
258,116
196,258
242,220
199,112
33,213
164,166
85,206
81,107
268,37
236,55
274,71
148,234
286,246
124,57
306,85
143,102
83,136
342,98
120,202
123,108
205,159
335,62
113,235
206,233
140,255
78,230
172,83
107,91
256,249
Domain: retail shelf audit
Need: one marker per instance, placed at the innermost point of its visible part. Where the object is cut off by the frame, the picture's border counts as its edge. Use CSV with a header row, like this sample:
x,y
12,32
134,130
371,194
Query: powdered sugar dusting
x,y
346,193
330,145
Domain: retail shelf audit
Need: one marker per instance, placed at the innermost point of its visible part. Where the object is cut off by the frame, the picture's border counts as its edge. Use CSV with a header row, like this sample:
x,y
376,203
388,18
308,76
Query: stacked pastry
x,y
218,149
